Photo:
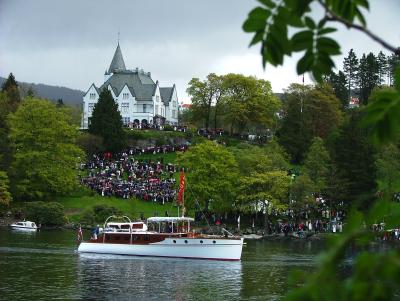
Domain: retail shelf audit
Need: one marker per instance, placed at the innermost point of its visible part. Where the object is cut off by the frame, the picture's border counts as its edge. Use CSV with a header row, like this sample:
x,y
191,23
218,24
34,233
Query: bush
x,y
168,128
48,213
102,212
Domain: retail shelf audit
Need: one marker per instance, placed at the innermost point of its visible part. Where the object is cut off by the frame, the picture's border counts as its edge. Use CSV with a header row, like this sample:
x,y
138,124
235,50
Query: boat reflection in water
x,y
117,277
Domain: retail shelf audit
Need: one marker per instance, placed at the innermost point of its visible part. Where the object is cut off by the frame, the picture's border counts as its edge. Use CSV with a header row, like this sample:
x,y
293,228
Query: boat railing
x,y
115,216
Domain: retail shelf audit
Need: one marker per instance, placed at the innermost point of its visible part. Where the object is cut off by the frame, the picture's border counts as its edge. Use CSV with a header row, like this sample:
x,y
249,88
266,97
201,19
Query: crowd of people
x,y
127,178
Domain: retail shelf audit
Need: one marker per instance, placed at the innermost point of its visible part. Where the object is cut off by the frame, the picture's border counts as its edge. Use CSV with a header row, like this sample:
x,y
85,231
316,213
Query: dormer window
x,y
92,95
125,95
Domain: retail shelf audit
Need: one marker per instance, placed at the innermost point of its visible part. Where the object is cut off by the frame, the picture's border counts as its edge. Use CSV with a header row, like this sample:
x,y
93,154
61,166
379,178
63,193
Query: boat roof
x,y
159,219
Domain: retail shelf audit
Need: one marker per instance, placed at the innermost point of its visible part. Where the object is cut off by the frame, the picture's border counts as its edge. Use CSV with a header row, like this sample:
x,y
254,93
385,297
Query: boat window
x,y
146,238
186,241
108,237
117,237
214,241
126,238
174,241
20,224
201,241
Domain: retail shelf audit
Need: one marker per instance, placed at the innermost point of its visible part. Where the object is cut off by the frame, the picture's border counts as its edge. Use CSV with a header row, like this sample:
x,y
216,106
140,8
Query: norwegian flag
x,y
179,199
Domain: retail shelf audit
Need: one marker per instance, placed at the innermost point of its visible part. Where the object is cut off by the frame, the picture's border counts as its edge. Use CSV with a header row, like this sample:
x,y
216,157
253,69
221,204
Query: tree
x,y
270,157
204,94
368,76
90,143
308,112
301,195
45,152
5,196
350,68
264,191
211,175
382,67
339,85
106,122
354,157
388,169
373,276
316,164
249,100
10,88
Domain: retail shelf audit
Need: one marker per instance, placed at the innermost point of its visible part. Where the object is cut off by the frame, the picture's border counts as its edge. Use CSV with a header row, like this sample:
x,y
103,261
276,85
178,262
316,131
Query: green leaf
x,y
302,40
267,3
310,23
256,20
326,30
257,38
328,46
305,63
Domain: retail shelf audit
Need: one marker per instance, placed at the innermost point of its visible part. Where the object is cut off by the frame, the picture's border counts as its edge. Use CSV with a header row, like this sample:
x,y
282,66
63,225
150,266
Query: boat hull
x,y
23,228
193,248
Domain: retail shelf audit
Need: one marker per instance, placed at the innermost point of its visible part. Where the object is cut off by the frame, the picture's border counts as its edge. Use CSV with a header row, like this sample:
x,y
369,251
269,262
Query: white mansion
x,y
140,99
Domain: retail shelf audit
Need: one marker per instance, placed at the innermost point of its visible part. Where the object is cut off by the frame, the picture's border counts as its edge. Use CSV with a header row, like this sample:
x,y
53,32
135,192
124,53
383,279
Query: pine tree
x,y
106,122
382,67
368,76
393,63
339,85
350,69
10,87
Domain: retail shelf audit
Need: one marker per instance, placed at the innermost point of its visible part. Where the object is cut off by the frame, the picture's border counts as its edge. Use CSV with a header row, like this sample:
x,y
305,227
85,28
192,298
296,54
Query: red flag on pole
x,y
181,191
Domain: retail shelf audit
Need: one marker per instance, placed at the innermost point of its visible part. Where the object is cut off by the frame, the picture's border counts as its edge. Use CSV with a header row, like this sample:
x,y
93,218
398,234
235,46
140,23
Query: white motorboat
x,y
163,237
24,226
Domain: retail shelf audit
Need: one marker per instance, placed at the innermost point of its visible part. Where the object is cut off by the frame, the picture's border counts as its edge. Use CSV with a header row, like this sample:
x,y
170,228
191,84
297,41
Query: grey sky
x,y
71,43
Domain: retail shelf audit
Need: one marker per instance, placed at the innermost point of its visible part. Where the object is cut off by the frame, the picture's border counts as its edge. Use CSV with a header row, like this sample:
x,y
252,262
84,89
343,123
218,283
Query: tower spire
x,y
117,63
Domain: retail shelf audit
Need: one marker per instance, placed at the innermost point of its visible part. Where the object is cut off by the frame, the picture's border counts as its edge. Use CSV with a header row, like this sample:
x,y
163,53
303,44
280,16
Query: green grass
x,y
168,157
75,205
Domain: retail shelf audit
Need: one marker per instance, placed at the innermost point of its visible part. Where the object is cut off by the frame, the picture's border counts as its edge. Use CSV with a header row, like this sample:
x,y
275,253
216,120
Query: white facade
x,y
139,98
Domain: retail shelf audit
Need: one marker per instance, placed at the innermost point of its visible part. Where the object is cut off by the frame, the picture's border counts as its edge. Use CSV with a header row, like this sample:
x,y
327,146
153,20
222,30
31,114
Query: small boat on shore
x,y
163,237
24,226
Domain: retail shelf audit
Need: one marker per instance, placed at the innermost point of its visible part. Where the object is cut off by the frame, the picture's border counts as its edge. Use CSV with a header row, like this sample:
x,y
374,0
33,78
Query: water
x,y
46,266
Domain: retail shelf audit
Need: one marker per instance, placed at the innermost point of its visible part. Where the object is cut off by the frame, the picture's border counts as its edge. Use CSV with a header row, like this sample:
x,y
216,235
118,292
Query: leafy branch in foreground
x,y
272,21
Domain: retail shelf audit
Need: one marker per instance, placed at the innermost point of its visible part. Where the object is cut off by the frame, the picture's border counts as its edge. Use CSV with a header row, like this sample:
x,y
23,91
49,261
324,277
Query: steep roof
x,y
139,83
117,63
166,94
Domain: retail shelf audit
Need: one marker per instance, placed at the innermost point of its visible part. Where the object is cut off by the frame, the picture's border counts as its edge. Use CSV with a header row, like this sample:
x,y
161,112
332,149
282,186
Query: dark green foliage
x,y
308,112
98,214
5,196
368,76
106,122
353,156
10,87
270,24
90,143
382,114
47,213
339,85
351,71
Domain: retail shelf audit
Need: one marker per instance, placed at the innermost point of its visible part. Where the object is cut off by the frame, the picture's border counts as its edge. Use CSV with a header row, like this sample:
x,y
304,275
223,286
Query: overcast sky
x,y
71,42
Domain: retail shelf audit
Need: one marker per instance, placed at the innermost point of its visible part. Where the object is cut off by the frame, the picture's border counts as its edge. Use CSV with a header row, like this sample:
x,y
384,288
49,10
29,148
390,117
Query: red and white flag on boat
x,y
179,198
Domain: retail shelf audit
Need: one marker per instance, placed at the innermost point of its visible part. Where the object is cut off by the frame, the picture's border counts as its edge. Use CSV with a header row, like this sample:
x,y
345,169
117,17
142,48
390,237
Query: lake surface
x,y
46,266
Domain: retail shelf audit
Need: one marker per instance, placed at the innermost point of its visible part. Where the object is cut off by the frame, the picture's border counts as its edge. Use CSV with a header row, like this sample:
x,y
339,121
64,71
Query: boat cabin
x,y
167,224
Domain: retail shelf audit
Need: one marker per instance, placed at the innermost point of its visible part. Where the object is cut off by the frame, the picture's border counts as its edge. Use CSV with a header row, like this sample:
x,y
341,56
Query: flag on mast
x,y
180,199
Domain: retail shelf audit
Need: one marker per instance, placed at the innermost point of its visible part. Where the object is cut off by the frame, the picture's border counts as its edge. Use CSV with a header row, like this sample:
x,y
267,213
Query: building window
x,y
125,107
173,113
157,98
156,110
90,107
126,120
125,95
174,104
92,95
144,108
162,111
